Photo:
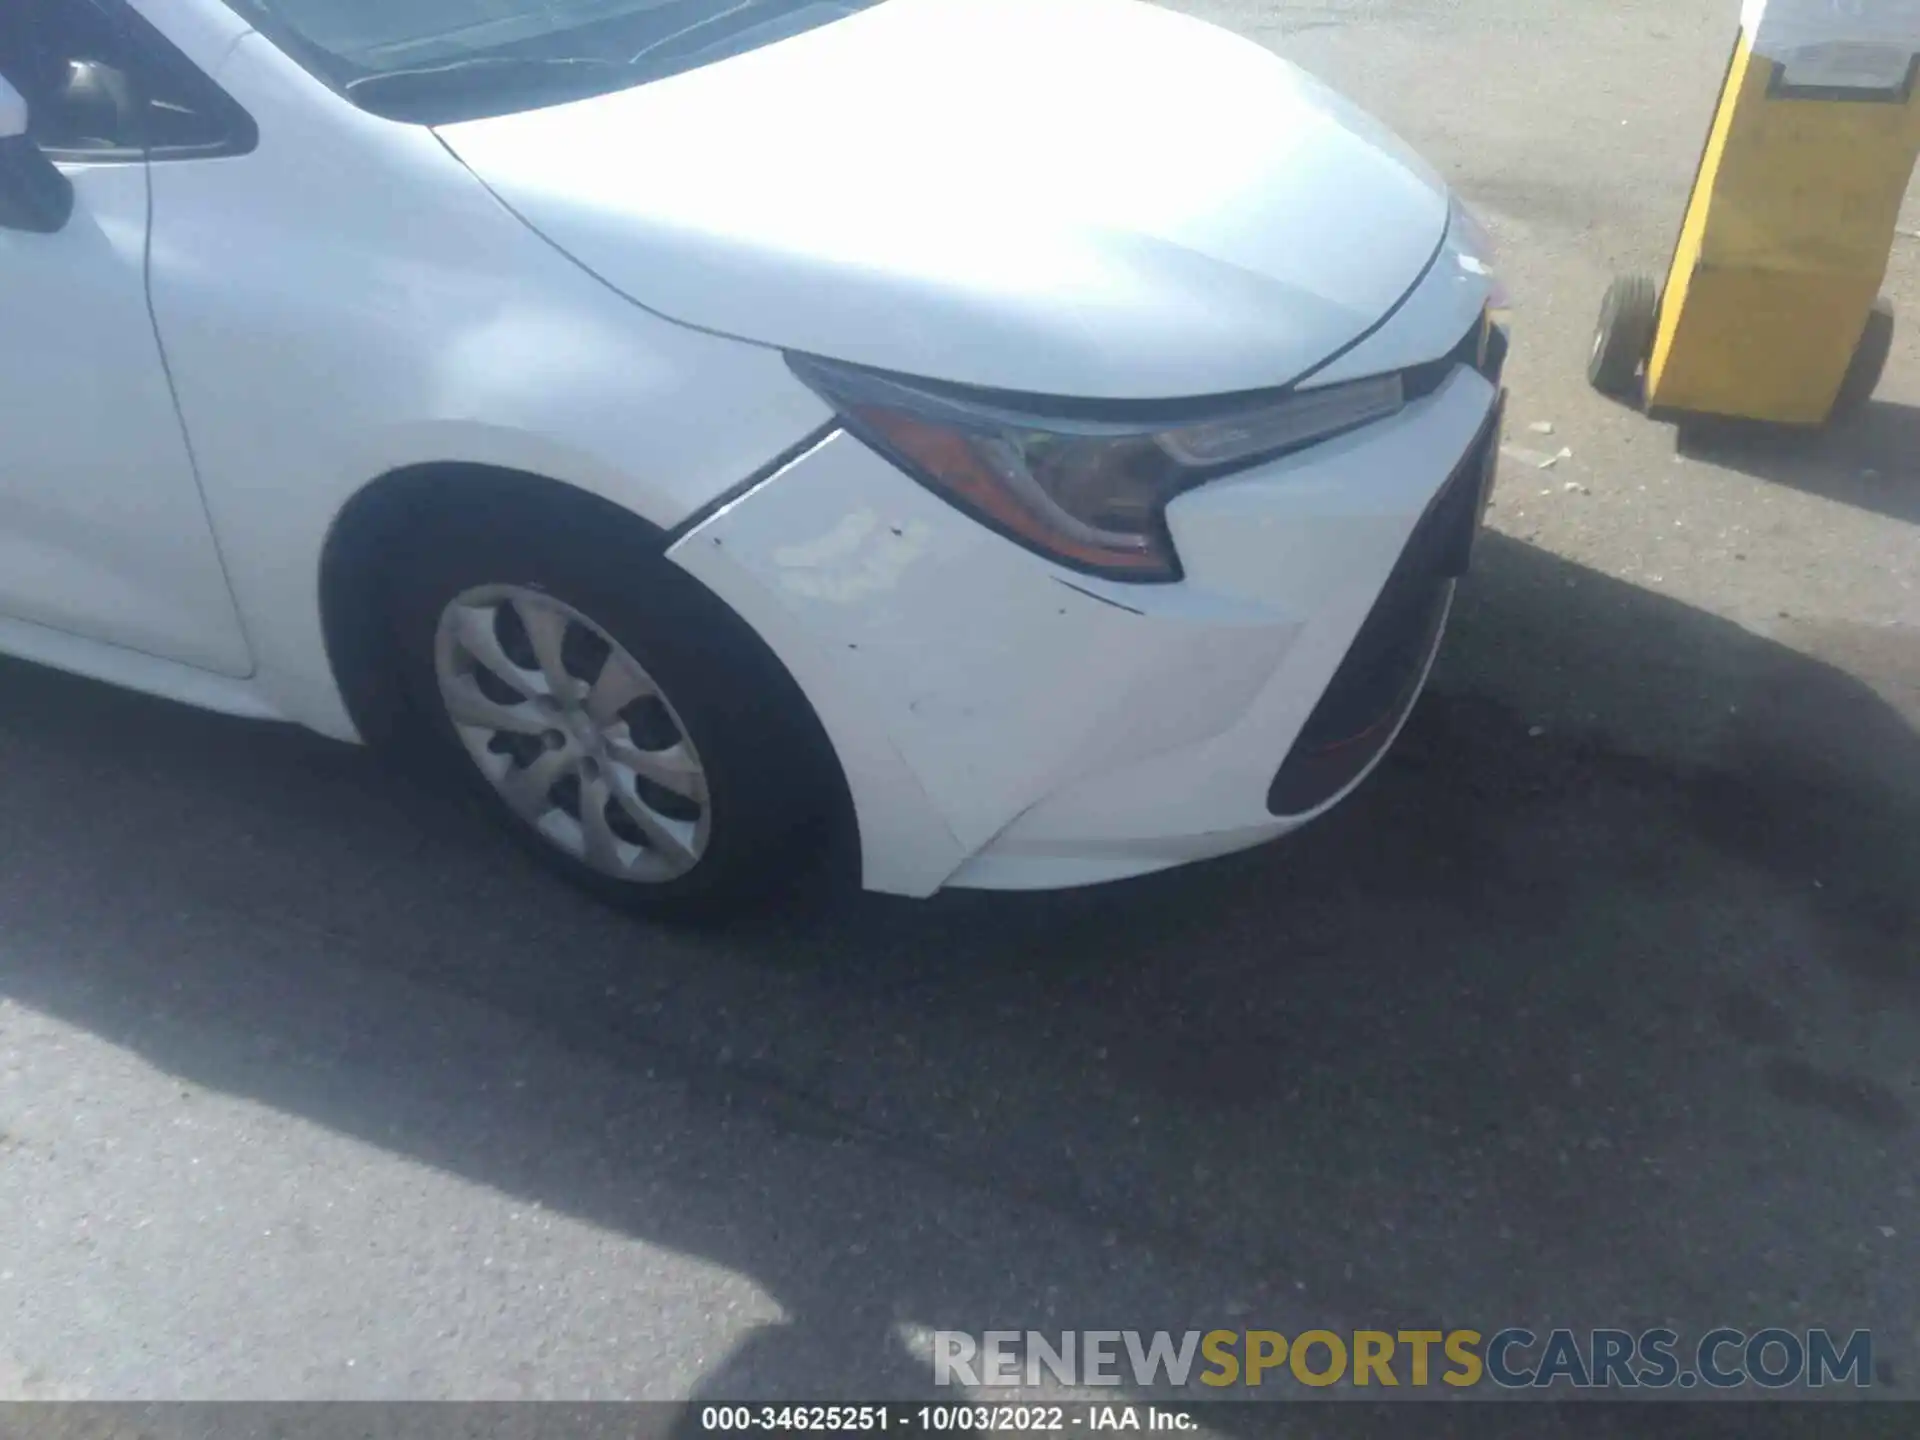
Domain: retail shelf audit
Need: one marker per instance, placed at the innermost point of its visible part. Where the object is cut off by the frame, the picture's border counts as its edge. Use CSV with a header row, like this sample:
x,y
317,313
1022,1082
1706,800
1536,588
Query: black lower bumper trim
x,y
1379,681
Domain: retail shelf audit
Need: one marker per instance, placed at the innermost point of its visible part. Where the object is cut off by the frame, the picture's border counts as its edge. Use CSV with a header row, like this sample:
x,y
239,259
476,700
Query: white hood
x,y
1093,198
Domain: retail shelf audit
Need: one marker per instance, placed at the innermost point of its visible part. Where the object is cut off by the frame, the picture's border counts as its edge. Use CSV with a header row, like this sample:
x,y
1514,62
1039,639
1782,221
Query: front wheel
x,y
619,720
1869,362
1623,340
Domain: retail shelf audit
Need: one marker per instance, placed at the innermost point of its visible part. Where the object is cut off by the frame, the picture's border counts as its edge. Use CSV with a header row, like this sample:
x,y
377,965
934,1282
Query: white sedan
x,y
1040,437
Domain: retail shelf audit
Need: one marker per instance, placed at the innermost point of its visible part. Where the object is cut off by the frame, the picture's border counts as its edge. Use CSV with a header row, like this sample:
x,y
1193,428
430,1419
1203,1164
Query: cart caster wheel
x,y
1869,362
1624,338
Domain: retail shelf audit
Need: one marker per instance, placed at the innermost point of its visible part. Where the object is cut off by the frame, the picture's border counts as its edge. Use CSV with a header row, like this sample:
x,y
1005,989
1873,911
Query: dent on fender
x,y
858,557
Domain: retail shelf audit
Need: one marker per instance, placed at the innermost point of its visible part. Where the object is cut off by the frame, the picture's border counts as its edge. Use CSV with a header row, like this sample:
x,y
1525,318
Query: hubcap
x,y
573,733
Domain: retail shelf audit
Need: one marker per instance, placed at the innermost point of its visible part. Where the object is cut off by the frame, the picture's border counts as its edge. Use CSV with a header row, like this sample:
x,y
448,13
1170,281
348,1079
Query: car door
x,y
103,533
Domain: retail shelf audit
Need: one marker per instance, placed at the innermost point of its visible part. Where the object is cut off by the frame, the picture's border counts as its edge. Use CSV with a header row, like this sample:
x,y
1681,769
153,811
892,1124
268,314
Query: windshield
x,y
437,61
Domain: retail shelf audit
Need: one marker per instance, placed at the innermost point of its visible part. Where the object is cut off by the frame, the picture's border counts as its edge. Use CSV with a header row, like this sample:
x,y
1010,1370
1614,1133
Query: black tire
x,y
768,767
1869,362
1624,338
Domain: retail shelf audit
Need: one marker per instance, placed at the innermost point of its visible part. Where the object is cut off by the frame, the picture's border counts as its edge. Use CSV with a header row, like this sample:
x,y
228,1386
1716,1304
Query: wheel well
x,y
372,535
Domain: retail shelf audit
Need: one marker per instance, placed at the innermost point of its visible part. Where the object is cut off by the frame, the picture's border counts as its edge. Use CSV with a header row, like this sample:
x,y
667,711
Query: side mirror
x,y
34,195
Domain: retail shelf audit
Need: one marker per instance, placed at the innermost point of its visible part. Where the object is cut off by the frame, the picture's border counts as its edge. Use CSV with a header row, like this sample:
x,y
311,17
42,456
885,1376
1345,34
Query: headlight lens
x,y
1091,494
1474,244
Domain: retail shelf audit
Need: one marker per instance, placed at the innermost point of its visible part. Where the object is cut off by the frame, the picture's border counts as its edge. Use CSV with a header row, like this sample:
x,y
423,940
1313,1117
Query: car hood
x,y
1094,198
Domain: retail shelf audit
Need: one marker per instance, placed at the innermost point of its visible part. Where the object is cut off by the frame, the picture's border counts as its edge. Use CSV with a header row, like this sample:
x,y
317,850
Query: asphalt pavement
x,y
1598,1006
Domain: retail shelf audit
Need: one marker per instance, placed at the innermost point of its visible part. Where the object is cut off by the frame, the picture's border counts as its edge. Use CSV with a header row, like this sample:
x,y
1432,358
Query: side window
x,y
101,84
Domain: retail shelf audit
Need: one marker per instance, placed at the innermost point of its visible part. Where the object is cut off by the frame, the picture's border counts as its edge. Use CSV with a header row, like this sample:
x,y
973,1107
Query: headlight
x,y
1091,494
1473,243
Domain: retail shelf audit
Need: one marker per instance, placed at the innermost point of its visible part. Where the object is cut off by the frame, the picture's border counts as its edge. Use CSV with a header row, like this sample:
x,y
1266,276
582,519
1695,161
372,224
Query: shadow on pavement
x,y
1534,1030
1871,461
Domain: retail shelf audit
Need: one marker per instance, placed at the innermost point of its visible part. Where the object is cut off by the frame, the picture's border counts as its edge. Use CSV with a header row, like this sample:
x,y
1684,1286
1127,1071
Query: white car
x,y
1041,435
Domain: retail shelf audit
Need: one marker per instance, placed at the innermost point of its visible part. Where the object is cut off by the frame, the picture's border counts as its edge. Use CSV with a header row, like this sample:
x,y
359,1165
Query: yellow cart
x,y
1770,309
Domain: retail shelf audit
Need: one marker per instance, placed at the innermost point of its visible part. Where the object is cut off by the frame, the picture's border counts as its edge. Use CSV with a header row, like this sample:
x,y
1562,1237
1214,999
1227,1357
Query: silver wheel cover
x,y
573,733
